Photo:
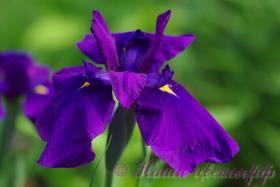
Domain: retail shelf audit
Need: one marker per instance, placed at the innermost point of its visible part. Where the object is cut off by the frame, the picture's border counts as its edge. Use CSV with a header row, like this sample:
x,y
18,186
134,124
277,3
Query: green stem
x,y
144,151
144,148
146,159
8,128
98,163
109,178
18,177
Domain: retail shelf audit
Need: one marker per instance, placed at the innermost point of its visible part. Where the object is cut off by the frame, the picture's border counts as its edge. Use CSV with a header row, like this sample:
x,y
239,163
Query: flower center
x,y
134,51
132,58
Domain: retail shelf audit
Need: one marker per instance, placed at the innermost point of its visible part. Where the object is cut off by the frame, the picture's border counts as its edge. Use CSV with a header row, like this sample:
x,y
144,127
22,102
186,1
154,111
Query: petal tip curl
x,y
162,21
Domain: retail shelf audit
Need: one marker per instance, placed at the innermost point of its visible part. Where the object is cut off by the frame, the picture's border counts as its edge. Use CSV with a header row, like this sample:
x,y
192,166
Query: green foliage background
x,y
233,68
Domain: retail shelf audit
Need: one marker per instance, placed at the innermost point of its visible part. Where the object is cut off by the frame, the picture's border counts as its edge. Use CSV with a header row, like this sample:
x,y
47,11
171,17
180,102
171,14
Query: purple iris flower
x,y
179,130
19,76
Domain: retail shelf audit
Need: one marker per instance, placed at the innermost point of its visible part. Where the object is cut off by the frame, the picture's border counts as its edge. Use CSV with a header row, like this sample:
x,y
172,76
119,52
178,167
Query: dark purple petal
x,y
158,80
46,121
162,21
79,112
37,100
66,73
180,131
134,52
132,59
14,73
127,86
169,48
90,48
90,68
122,39
105,41
3,85
38,74
40,91
167,73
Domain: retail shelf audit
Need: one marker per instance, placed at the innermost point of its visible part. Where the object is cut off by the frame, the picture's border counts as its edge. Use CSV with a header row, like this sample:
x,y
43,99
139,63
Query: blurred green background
x,y
233,68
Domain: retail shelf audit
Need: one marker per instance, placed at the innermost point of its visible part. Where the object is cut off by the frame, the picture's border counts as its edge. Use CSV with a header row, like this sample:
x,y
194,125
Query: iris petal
x,y
73,118
38,74
62,76
105,41
122,39
169,48
180,131
162,21
40,91
89,47
127,86
14,73
36,100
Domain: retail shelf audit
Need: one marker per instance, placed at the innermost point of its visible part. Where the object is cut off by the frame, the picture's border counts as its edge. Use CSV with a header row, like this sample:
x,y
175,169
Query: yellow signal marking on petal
x,y
86,84
166,88
41,89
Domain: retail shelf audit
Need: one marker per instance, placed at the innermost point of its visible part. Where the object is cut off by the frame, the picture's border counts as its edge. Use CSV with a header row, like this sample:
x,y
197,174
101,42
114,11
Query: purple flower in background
x,y
19,76
179,130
